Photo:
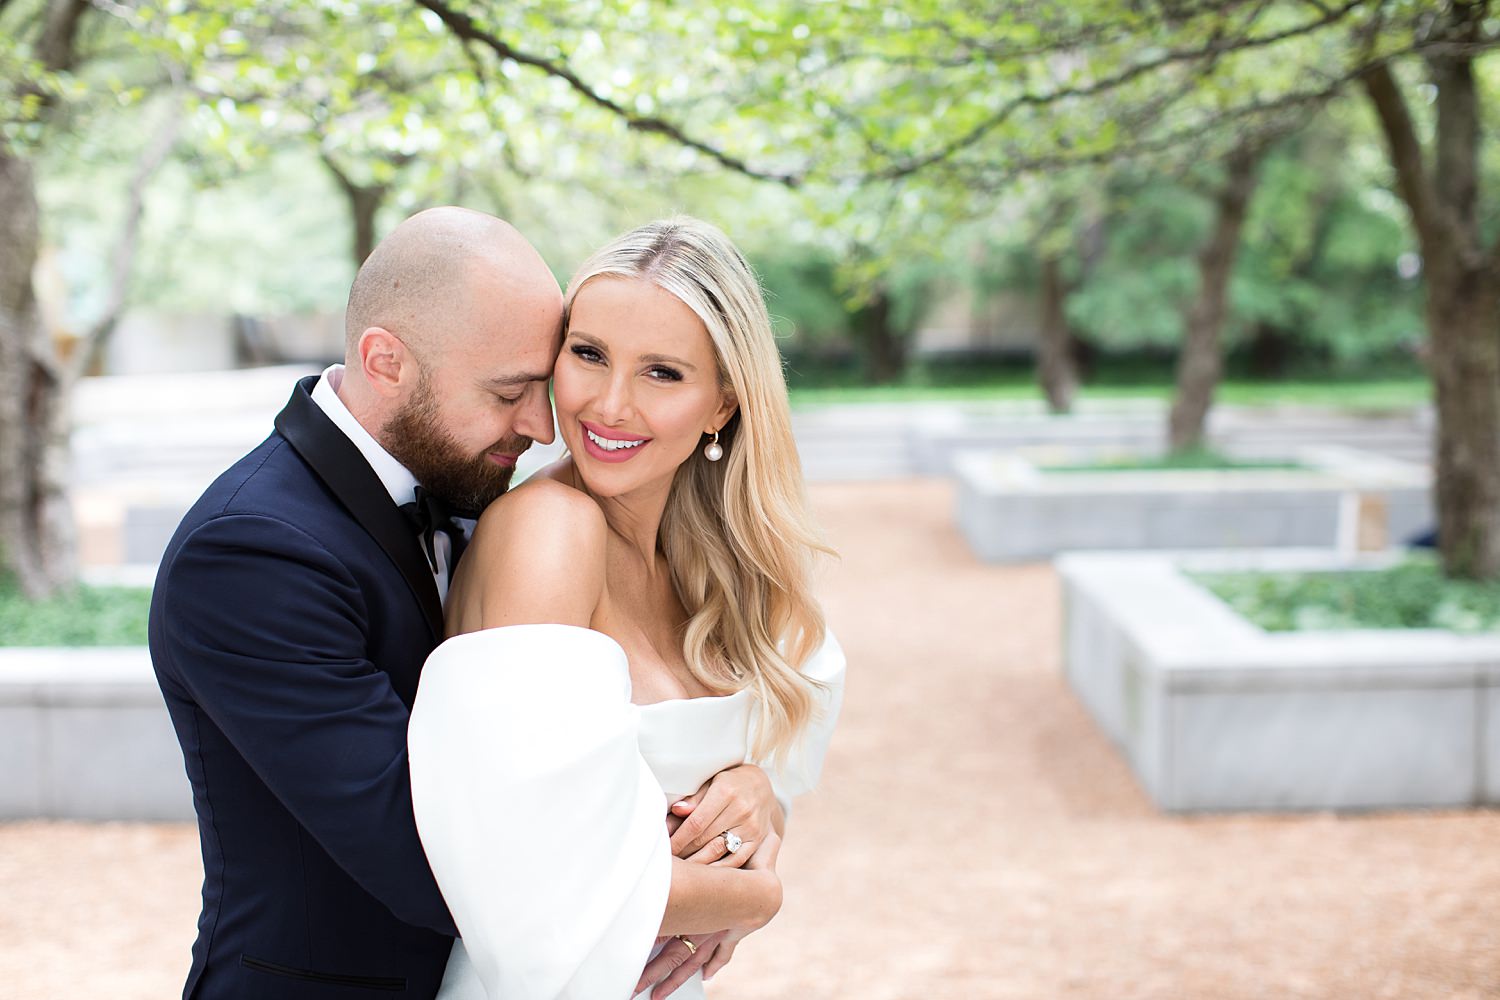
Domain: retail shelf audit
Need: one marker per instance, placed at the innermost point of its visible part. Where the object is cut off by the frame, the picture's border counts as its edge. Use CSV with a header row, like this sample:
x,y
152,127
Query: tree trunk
x,y
364,204
1056,367
1463,322
1463,299
1200,366
882,347
37,542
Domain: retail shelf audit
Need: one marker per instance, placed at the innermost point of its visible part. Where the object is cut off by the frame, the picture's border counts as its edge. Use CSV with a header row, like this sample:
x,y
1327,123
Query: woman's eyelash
x,y
660,372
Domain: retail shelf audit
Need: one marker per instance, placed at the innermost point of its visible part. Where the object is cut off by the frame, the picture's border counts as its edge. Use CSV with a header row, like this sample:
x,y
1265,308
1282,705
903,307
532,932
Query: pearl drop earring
x,y
713,451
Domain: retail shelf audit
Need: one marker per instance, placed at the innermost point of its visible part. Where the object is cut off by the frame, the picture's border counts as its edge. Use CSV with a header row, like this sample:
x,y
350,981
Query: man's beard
x,y
466,482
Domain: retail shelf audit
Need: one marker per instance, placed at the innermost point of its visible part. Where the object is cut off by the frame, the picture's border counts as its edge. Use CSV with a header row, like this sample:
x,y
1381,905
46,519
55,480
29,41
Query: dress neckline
x,y
685,701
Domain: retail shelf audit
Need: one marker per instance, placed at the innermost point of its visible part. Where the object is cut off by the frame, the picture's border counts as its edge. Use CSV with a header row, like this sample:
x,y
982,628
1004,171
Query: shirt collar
x,y
398,482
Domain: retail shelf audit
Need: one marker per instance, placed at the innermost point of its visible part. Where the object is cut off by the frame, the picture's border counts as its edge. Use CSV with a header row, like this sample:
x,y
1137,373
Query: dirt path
x,y
975,838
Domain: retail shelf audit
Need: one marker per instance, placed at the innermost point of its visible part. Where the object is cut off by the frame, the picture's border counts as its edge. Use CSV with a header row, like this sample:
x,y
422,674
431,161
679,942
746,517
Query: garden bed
x,y
1011,508
1215,713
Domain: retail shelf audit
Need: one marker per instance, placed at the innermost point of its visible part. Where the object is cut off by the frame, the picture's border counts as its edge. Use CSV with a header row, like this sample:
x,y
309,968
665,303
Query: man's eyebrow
x,y
511,381
651,359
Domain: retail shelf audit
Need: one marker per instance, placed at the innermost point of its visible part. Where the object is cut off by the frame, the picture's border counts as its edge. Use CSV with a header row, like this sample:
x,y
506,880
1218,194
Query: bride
x,y
631,623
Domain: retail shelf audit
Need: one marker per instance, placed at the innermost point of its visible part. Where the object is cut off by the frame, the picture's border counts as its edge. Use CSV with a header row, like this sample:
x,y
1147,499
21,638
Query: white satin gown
x,y
541,795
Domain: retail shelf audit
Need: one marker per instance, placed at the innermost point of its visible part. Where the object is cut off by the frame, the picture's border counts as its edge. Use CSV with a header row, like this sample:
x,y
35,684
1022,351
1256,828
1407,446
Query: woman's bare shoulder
x,y
538,554
542,513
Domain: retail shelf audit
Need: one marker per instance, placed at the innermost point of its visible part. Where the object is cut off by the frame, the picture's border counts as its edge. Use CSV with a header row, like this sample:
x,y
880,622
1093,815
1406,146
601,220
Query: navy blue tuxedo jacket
x,y
292,613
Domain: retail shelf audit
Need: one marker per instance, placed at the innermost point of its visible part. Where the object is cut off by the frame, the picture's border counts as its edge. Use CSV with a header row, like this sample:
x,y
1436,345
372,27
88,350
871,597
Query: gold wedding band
x,y
692,948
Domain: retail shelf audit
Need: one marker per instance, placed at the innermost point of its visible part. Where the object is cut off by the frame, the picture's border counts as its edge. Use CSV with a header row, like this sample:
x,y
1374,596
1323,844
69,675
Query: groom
x,y
298,600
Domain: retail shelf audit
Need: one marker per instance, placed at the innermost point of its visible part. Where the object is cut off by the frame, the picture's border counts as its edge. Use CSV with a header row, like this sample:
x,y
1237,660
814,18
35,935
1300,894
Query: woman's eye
x,y
664,374
586,353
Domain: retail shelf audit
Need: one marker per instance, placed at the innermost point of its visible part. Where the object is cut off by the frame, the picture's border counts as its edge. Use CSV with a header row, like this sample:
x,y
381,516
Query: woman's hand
x,y
739,801
677,962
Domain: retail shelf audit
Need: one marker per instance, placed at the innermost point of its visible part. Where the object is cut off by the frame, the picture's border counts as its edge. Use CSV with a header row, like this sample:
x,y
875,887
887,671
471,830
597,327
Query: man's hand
x,y
738,799
676,963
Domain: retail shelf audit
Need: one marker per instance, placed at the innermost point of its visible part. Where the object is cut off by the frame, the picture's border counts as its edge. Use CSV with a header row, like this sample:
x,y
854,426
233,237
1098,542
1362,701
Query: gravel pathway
x,y
975,837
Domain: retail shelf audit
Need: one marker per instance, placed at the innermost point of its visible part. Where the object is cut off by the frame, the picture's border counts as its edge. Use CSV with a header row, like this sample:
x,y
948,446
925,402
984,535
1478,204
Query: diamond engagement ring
x,y
732,841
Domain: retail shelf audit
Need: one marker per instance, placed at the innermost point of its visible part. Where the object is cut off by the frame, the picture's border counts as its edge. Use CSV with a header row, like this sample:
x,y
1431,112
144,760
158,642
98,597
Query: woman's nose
x,y
615,403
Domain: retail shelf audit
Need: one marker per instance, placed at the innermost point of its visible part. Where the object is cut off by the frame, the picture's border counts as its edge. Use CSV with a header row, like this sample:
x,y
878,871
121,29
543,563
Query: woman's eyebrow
x,y
653,359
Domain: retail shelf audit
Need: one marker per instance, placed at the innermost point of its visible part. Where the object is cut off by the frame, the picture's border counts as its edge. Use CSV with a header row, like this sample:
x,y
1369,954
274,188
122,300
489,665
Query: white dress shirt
x,y
398,482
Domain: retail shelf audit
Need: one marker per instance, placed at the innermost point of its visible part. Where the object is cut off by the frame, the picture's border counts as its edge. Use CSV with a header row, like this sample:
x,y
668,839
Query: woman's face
x,y
636,385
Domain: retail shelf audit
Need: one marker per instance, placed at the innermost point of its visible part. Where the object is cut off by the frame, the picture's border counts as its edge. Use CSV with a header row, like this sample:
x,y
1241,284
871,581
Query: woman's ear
x,y
726,409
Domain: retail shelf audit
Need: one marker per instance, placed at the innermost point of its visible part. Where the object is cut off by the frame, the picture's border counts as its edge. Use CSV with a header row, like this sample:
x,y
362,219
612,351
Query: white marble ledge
x,y
1197,642
70,676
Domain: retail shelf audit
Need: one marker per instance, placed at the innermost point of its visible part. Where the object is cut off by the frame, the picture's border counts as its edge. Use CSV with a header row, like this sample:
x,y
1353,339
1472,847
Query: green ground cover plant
x,y
1377,395
1195,459
84,616
1411,594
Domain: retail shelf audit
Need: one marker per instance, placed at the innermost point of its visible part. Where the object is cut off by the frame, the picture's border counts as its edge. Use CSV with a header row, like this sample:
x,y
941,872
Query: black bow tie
x,y
429,514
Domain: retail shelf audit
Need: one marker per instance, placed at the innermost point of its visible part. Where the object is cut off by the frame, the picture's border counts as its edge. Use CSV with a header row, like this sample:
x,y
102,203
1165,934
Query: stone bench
x,y
1215,714
85,734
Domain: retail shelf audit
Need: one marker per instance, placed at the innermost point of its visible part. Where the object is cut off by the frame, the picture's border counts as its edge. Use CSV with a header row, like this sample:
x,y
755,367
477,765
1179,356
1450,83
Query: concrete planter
x,y
85,735
1215,714
1011,509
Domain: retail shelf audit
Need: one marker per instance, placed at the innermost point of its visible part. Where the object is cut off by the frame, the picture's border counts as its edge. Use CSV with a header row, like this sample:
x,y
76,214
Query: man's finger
x,y
706,947
668,959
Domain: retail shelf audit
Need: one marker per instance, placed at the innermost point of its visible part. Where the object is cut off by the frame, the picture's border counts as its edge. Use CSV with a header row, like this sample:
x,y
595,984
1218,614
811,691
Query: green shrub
x,y
83,616
1413,594
1196,458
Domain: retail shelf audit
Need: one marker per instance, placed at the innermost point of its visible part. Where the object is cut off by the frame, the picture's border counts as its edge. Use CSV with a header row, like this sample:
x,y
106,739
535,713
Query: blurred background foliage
x,y
292,101
936,194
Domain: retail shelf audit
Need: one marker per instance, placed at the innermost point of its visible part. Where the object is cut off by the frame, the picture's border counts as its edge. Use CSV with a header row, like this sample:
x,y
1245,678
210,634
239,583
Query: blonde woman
x,y
631,622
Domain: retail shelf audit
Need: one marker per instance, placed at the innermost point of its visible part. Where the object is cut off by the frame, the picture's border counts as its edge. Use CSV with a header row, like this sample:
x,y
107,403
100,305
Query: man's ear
x,y
385,360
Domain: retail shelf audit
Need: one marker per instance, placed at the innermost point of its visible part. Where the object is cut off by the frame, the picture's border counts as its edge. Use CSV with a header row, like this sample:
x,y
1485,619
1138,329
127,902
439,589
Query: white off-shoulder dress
x,y
541,794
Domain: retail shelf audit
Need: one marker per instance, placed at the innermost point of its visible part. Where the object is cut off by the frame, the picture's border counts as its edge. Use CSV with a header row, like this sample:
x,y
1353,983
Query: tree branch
x,y
151,160
1213,49
466,29
1406,152
987,176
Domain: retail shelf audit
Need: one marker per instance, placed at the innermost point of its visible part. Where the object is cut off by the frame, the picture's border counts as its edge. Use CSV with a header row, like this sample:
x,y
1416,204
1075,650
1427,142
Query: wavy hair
x,y
736,533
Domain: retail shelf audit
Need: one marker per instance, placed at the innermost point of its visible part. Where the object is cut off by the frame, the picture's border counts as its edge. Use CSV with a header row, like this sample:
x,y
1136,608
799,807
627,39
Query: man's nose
x,y
535,419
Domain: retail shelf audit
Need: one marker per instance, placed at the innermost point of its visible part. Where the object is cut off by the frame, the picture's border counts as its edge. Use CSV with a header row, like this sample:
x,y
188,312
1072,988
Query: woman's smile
x,y
611,446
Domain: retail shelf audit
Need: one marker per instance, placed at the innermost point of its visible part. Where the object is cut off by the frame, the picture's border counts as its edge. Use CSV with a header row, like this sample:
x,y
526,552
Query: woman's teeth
x,y
609,445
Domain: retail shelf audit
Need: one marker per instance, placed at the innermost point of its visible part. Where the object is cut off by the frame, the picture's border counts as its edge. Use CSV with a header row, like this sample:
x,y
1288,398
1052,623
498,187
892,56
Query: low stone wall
x,y
1215,714
85,735
1011,509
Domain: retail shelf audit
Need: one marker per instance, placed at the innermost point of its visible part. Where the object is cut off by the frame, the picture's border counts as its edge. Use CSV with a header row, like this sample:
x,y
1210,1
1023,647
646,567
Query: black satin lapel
x,y
340,465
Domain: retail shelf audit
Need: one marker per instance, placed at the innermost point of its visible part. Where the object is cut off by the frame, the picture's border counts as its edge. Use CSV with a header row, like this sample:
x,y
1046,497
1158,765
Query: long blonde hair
x,y
736,533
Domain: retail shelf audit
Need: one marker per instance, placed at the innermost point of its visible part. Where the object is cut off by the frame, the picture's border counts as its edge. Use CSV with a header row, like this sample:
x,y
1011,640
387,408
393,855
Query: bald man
x,y
300,596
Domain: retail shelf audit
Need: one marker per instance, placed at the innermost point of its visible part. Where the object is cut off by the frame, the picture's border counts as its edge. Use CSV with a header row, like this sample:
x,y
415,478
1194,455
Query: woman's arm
x,y
706,898
537,557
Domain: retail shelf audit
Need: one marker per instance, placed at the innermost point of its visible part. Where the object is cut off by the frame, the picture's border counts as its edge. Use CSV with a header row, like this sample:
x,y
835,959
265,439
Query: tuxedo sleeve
x,y
267,631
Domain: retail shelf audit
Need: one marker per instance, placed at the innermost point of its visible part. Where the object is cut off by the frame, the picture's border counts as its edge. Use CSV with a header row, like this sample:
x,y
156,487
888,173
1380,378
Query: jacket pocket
x,y
389,984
